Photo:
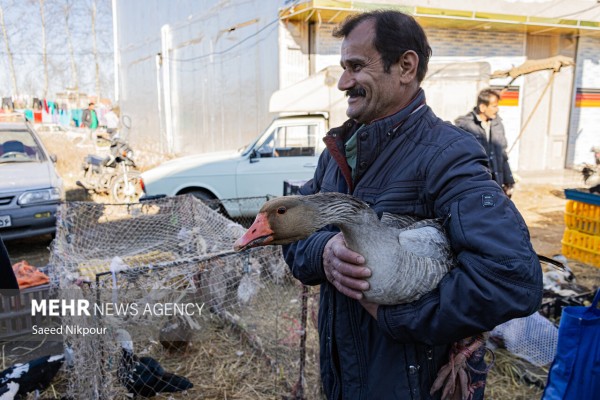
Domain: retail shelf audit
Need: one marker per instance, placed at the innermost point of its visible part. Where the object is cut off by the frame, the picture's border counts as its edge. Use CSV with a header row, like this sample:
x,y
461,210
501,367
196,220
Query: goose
x,y
408,257
419,247
9,391
144,376
22,378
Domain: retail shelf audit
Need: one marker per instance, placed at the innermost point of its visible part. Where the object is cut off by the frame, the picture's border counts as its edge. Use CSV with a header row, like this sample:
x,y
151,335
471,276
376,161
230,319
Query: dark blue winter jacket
x,y
413,163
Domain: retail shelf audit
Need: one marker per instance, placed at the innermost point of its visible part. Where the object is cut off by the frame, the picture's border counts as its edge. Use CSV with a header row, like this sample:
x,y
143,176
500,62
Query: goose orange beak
x,y
259,234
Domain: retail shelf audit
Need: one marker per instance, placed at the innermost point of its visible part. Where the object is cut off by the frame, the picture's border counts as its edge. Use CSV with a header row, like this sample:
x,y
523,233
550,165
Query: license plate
x,y
5,221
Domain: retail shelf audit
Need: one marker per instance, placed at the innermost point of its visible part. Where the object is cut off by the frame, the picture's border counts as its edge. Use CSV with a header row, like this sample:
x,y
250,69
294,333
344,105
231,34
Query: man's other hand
x,y
508,189
344,268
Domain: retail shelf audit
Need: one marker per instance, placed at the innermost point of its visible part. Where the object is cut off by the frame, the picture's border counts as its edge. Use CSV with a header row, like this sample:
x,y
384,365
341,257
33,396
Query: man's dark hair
x,y
484,96
395,33
90,104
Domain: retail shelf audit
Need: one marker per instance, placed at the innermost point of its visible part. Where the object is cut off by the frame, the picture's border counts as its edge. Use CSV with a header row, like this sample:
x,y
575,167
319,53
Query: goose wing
x,y
426,238
398,221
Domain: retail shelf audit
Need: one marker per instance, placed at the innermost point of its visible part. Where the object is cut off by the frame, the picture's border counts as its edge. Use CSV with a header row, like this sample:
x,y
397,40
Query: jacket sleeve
x,y
461,122
305,257
508,176
498,275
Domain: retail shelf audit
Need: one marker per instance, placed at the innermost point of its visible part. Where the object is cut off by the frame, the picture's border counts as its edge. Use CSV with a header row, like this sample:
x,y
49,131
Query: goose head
x,y
287,219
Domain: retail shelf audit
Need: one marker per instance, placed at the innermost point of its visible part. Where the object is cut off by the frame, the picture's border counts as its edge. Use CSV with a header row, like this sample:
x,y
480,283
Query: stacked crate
x,y
581,240
16,317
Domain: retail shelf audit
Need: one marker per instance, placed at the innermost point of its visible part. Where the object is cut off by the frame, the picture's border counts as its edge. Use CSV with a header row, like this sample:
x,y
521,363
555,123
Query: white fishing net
x,y
172,251
533,338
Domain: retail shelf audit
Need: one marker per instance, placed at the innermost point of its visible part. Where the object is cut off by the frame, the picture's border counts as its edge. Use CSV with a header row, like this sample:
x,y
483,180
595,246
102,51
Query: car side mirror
x,y
254,156
54,158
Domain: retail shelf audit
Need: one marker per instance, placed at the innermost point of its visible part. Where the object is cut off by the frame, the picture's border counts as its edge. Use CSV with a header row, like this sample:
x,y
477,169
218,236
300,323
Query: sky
x,y
24,30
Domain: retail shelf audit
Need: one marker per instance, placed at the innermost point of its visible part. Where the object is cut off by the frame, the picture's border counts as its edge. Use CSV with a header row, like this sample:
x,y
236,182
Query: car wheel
x,y
209,199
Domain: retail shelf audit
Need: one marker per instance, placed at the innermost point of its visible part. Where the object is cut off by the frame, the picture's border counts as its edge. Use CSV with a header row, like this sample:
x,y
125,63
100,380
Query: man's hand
x,y
344,268
508,189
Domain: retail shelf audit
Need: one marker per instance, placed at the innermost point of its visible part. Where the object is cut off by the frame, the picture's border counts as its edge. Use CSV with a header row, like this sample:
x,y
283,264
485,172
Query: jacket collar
x,y
394,121
475,115
377,131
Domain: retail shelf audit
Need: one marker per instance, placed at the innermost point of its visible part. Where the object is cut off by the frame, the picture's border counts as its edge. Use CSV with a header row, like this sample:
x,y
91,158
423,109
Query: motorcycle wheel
x,y
126,191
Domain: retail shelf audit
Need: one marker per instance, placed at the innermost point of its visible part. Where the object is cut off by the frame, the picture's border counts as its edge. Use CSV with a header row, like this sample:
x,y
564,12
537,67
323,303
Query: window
x,y
291,141
18,145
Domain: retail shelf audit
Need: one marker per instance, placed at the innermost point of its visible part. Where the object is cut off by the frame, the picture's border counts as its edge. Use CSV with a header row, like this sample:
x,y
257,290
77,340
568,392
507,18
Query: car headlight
x,y
39,196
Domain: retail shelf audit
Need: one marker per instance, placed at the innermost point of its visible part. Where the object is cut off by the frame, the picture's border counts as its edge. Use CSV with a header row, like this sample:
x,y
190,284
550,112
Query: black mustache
x,y
356,92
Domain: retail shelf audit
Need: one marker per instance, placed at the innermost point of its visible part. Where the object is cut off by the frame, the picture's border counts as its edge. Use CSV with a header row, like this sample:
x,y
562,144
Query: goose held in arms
x,y
407,257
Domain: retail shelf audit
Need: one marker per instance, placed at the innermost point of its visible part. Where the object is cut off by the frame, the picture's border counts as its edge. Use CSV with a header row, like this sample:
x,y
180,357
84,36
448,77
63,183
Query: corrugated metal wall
x,y
209,90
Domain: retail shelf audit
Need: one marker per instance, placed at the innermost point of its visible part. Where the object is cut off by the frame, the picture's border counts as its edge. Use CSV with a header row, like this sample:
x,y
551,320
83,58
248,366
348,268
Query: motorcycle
x,y
115,174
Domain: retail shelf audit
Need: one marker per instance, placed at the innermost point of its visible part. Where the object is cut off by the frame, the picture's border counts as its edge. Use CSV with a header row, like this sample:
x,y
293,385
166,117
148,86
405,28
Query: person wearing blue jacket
x,y
397,156
485,124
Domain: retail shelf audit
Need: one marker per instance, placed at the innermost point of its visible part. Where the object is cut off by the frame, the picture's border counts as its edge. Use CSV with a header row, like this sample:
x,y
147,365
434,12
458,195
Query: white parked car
x,y
30,187
289,149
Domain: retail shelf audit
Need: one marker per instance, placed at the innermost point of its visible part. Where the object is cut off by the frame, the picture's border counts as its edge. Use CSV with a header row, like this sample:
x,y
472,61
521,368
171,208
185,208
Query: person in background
x,y
89,119
112,122
485,124
395,154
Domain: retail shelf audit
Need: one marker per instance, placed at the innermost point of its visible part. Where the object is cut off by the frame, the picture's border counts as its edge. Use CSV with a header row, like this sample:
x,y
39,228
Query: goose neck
x,y
354,221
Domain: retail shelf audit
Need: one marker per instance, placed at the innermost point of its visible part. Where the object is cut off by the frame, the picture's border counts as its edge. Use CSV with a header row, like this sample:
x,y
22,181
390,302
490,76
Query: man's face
x,y
372,93
491,110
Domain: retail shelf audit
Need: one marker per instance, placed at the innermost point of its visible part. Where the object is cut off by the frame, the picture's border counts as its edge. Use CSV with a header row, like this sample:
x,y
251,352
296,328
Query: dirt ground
x,y
541,203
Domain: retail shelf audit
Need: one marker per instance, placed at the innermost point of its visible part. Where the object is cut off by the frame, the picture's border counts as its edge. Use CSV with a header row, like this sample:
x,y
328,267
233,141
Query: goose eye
x,y
281,210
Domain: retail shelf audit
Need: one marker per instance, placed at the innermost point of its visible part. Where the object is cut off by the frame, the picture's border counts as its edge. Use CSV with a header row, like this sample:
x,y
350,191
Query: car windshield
x,y
19,145
256,143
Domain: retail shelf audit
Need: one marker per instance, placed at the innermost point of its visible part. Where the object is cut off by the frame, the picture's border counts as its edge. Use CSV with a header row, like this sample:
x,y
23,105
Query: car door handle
x,y
310,165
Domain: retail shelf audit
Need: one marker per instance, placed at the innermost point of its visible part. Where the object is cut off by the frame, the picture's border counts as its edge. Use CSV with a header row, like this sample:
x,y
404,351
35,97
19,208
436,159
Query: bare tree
x,y
94,40
44,49
9,54
74,76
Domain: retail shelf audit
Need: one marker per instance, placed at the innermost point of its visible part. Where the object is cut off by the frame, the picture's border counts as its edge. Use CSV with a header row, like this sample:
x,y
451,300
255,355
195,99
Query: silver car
x,y
30,187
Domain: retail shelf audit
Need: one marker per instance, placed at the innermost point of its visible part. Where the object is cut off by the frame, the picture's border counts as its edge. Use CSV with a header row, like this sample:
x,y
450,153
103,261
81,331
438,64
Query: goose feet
x,y
454,377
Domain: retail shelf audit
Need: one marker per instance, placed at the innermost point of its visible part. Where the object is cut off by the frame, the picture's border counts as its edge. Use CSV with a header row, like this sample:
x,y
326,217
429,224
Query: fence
x,y
177,251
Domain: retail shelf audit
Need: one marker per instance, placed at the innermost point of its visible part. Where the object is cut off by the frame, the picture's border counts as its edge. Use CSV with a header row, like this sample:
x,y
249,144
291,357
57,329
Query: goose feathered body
x,y
408,257
23,378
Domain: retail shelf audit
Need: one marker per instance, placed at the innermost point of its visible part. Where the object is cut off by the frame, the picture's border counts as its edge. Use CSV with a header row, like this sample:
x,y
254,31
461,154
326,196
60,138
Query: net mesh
x,y
175,250
533,338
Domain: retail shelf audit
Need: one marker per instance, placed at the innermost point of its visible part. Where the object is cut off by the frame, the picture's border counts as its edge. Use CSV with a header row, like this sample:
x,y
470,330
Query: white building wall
x,y
502,50
585,118
327,48
293,47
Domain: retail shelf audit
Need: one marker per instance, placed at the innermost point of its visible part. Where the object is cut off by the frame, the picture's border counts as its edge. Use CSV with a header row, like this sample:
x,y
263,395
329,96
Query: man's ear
x,y
409,63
